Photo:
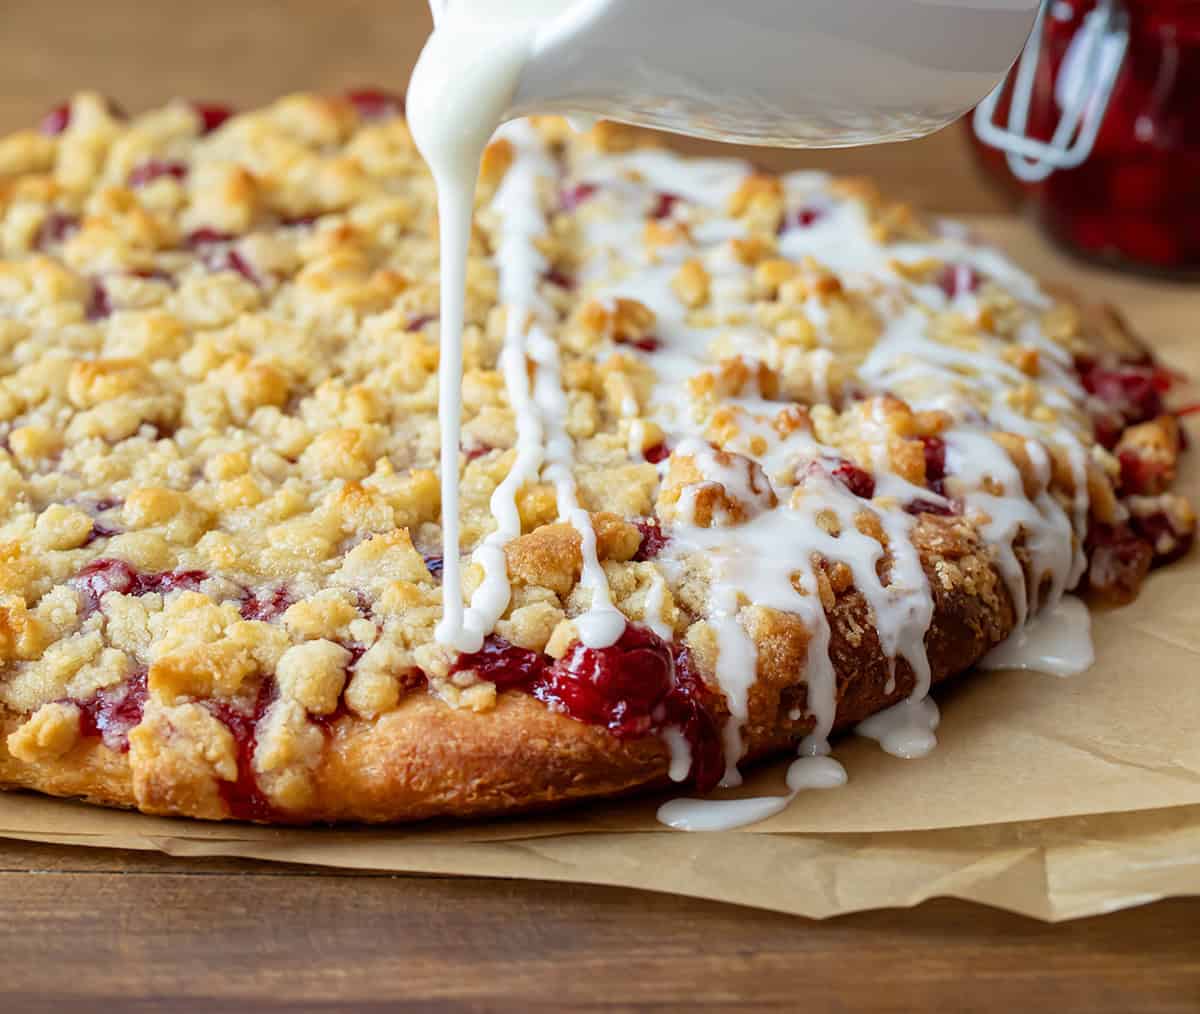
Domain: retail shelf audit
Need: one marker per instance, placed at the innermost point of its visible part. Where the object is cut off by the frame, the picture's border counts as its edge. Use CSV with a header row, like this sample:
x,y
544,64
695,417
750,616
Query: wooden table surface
x,y
99,930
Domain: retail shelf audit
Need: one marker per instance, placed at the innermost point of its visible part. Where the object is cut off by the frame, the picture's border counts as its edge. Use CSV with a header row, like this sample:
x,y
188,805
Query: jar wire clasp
x,y
1082,92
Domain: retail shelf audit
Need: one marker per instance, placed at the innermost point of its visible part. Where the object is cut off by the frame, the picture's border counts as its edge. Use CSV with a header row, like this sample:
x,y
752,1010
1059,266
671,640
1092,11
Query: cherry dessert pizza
x,y
818,452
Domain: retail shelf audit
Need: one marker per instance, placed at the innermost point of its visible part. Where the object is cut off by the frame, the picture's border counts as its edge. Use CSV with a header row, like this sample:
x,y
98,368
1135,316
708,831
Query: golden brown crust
x,y
425,759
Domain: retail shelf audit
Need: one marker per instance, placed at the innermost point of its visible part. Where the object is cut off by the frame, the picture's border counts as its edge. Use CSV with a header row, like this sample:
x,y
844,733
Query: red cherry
x,y
112,712
56,121
243,796
211,115
944,510
374,104
98,306
617,687
647,344
653,540
559,278
1132,390
859,481
664,206
154,169
573,197
1166,541
657,453
56,228
504,664
1118,561
803,219
935,458
100,577
266,605
235,262
958,280
688,705
639,685
205,237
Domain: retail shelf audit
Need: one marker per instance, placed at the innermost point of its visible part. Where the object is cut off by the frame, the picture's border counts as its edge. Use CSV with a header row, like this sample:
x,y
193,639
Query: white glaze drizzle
x,y
455,106
804,773
1057,641
460,90
764,560
768,559
904,730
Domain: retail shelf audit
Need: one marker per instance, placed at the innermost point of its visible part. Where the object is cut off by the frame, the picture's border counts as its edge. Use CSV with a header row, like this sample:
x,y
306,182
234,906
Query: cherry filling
x,y
638,686
657,453
56,120
803,219
56,228
112,712
152,275
1167,542
922,506
935,479
266,606
235,262
653,540
859,481
244,798
375,104
559,279
1128,393
617,687
102,576
300,221
201,238
688,706
204,240
154,169
1142,475
935,461
211,115
99,305
958,280
100,531
664,206
506,665
419,322
573,197
1118,561
647,344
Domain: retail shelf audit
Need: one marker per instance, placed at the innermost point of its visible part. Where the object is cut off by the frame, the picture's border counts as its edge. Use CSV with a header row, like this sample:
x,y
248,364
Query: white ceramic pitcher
x,y
794,73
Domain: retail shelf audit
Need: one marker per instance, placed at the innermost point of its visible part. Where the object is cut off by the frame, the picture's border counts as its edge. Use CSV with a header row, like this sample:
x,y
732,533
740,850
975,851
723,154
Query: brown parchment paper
x,y
1055,798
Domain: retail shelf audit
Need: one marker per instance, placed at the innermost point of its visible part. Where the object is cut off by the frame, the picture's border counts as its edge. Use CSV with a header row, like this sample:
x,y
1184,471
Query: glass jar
x,y
1135,198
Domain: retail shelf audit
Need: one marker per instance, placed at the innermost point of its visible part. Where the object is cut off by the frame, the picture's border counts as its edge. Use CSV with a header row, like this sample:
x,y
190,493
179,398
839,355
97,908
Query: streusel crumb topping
x,y
218,402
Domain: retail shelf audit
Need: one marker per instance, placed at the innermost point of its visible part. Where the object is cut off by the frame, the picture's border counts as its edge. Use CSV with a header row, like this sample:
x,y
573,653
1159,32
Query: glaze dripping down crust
x,y
830,455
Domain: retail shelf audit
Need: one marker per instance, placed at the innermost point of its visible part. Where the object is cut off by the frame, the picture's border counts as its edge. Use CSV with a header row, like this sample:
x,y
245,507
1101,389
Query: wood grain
x,y
96,930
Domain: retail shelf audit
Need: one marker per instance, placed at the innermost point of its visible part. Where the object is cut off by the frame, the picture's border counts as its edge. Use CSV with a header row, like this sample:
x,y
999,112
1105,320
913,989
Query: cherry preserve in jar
x,y
1101,130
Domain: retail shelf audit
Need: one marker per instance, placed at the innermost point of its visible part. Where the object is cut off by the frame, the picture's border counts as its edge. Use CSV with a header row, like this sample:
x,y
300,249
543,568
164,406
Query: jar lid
x,y
1082,92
